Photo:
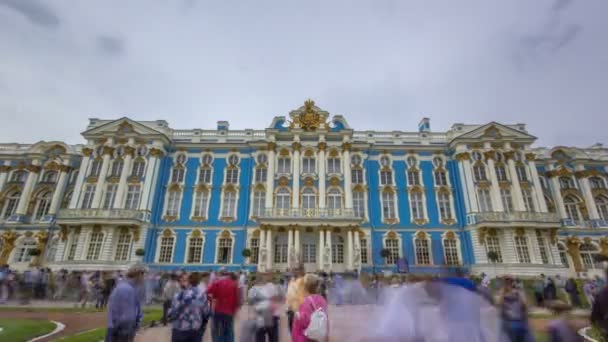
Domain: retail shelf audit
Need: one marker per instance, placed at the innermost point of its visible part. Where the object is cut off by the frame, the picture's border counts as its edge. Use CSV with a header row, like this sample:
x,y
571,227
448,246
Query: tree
x,y
140,252
493,257
246,253
385,253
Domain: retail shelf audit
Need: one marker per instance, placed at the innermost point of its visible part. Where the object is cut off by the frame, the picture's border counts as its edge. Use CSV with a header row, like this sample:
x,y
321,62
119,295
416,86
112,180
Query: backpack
x,y
318,327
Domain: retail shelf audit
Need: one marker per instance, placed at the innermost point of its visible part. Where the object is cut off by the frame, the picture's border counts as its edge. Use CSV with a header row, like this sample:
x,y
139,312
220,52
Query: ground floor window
x,y
309,253
224,251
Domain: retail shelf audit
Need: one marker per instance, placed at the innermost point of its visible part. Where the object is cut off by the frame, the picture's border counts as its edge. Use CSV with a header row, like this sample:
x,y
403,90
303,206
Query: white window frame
x,y
391,260
43,204
159,246
96,252
364,204
88,193
429,244
189,239
110,196
119,245
456,248
395,205
422,202
258,200
178,202
506,196
224,212
450,203
133,198
485,200
522,249
200,197
220,236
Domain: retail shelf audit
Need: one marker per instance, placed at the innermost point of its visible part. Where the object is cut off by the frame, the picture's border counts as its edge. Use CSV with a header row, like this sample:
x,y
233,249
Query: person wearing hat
x,y
124,307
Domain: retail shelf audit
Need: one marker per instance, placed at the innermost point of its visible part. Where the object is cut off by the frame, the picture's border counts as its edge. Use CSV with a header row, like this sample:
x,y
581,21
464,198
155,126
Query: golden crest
x,y
308,118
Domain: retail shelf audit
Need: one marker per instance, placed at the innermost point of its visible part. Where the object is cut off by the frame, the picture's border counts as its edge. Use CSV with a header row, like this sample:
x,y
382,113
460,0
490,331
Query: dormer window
x,y
356,160
385,161
207,159
438,162
233,160
180,159
262,159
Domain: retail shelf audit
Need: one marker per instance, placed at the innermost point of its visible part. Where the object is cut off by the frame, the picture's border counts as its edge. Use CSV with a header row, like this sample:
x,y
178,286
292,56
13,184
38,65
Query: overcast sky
x,y
382,64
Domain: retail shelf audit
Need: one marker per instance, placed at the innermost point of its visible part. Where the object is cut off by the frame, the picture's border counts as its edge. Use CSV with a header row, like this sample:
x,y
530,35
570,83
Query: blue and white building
x,y
307,190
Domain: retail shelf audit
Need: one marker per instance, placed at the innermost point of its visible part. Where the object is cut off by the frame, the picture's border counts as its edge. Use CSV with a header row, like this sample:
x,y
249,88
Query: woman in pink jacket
x,y
312,301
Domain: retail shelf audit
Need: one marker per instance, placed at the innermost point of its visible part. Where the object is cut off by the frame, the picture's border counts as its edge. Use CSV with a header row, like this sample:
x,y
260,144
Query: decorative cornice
x,y
198,219
296,146
108,150
92,179
463,156
129,151
489,155
133,179
420,222
561,172
113,179
509,155
5,168
322,146
155,152
271,146
169,218
449,222
504,185
33,168
87,152
530,156
597,192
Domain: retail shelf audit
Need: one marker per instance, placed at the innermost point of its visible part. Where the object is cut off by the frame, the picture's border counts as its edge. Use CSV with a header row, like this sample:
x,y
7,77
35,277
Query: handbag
x,y
318,327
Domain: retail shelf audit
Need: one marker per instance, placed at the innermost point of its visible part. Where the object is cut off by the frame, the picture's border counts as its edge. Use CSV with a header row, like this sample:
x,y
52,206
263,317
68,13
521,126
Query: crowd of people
x,y
194,302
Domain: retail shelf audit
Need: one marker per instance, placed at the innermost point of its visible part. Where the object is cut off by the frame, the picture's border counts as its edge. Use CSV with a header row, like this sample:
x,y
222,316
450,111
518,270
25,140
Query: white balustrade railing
x,y
517,216
309,213
110,214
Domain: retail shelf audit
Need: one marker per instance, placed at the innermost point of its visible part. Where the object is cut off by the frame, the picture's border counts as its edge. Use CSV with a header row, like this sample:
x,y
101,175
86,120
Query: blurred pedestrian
x,y
514,312
224,293
172,287
124,308
186,311
313,301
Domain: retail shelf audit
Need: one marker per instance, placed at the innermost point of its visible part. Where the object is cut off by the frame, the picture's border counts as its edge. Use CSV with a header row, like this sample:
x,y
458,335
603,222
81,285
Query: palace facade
x,y
308,190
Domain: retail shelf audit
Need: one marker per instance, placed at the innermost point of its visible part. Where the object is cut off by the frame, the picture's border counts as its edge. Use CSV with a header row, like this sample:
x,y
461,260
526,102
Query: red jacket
x,y
225,295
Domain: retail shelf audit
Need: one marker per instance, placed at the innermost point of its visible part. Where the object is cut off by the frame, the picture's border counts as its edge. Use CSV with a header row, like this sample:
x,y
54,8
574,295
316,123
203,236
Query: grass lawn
x,y
99,334
38,309
19,330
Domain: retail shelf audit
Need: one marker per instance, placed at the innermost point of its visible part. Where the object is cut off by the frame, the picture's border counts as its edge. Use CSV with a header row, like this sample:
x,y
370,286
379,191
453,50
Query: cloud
x,y
559,5
113,46
35,11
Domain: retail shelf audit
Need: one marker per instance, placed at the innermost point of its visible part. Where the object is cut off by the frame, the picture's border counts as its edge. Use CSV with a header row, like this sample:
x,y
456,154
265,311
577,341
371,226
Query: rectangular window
x,y
108,202
259,203
445,206
359,204
123,247
117,166
95,167
139,168
542,247
201,200
507,201
284,165
521,173
528,199
87,198
173,202
204,176
357,176
413,178
485,200
388,205
333,165
422,252
22,254
440,178
165,253
501,173
195,250
309,253
95,244
177,175
224,251
254,245
451,252
386,178
393,247
417,204
260,175
308,165
337,253
280,253
364,256
229,205
72,247
521,246
493,245
232,176
133,195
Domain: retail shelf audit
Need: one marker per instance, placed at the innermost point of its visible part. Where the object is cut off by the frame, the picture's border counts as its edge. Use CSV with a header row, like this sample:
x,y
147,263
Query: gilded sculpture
x,y
308,117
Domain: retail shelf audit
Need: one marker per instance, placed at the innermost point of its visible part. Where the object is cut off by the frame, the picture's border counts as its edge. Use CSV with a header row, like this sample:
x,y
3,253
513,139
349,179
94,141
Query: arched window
x,y
528,199
207,159
283,199
334,199
566,183
19,176
229,205
10,204
117,168
596,183
165,252
177,176
308,162
173,202
501,172
392,244
571,205
485,200
133,196
522,175
441,178
259,202
507,200
280,249
201,202
284,164
139,168
333,165
123,246
95,167
413,177
204,176
521,246
224,250
386,177
450,250
359,203
337,250
479,172
110,196
493,245
588,254
445,206
195,250
388,205
417,205
43,204
563,256
49,177
254,246
95,244
601,203
261,173
309,199
22,251
423,252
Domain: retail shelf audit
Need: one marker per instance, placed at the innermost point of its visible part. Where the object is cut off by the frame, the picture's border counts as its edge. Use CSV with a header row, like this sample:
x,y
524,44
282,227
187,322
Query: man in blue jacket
x,y
124,307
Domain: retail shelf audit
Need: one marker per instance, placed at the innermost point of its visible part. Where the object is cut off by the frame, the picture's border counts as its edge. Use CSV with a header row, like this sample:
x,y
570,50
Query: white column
x,y
27,188
464,164
119,201
494,189
557,195
297,242
82,173
59,190
518,198
150,178
328,242
289,247
270,175
262,244
269,250
538,189
322,161
4,169
101,181
348,191
349,236
295,201
586,190
321,247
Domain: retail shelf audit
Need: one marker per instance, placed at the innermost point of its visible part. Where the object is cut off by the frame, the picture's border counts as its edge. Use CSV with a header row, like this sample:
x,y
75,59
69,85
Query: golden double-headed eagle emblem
x,y
309,119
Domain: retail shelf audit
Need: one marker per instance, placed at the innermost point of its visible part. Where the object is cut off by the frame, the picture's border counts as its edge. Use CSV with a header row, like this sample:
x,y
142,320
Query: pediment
x,y
123,127
495,131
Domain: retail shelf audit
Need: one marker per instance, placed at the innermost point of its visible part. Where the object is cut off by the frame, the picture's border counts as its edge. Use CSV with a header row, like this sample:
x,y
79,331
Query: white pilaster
x,y
321,247
350,254
538,189
328,242
270,250
518,198
101,181
586,190
557,196
32,176
297,242
289,247
82,173
150,179
348,191
470,194
270,176
59,191
119,201
295,201
262,244
322,176
494,188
